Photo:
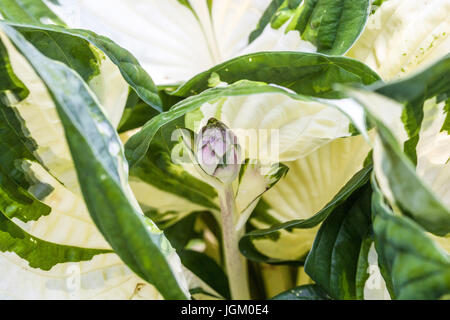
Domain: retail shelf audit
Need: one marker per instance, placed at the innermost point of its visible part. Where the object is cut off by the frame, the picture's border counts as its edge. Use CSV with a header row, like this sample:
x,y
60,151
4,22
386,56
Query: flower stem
x,y
235,263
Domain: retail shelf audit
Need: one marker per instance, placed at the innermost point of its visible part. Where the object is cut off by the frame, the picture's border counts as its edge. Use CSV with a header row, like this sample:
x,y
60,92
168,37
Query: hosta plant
x,y
224,149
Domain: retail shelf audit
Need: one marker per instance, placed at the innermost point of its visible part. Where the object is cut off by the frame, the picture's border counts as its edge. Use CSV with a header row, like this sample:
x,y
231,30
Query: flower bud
x,y
218,151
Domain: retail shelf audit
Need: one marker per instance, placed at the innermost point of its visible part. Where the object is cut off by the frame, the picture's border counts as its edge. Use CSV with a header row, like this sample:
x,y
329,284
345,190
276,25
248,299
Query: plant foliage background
x,y
92,205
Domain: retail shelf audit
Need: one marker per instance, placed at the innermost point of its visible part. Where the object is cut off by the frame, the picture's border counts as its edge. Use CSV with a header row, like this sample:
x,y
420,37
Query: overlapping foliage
x,y
355,205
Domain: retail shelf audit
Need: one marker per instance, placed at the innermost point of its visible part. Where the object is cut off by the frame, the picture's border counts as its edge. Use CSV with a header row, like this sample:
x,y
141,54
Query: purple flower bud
x,y
218,151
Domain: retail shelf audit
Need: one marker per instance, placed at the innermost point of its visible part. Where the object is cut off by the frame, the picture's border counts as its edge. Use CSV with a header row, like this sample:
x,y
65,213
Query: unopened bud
x,y
218,151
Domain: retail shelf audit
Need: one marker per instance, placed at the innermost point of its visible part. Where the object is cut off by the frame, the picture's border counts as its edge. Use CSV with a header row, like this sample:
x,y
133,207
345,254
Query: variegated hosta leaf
x,y
305,130
111,90
72,203
429,83
37,269
68,224
418,192
48,33
316,123
39,254
413,265
204,33
318,73
433,151
433,154
293,209
394,43
103,277
130,70
38,115
183,38
274,127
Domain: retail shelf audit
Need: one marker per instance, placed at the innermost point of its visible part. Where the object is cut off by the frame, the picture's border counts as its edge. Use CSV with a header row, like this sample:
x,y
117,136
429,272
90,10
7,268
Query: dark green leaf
x,y
180,233
135,114
12,140
410,193
198,263
305,73
246,243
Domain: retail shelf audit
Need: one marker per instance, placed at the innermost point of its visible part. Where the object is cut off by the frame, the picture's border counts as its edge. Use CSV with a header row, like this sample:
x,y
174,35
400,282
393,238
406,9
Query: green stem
x,y
235,263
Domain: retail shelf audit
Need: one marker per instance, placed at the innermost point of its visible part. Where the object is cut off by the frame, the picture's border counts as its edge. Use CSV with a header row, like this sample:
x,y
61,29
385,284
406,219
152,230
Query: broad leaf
x,y
413,264
105,277
39,254
332,26
16,202
97,155
305,73
394,44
